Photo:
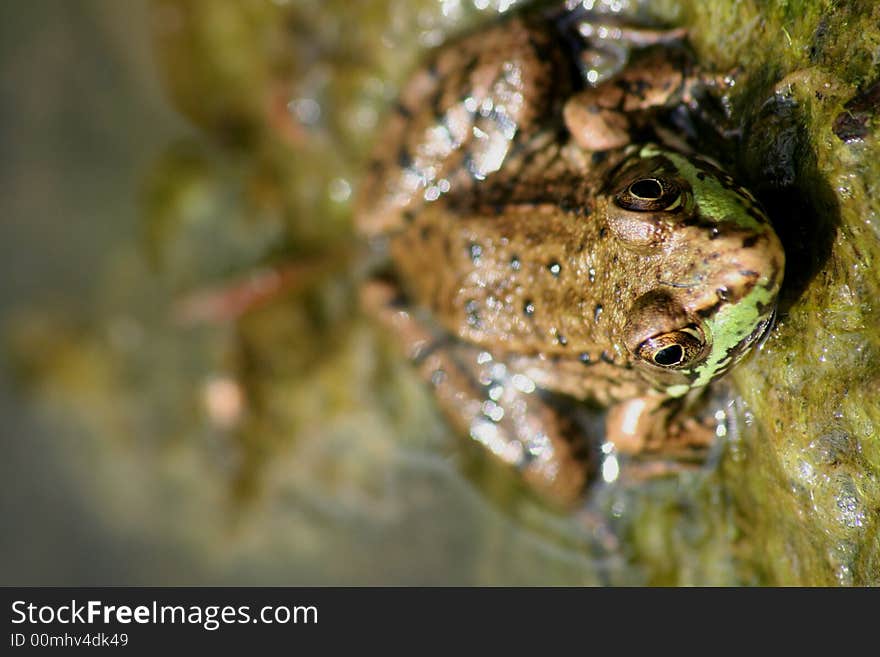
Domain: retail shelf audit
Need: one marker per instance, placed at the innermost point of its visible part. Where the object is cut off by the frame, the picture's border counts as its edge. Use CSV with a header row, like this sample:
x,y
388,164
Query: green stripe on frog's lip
x,y
678,391
732,324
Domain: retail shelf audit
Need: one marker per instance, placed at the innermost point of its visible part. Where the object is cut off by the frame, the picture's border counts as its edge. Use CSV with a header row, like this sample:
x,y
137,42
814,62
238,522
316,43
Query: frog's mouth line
x,y
679,286
723,358
753,341
763,330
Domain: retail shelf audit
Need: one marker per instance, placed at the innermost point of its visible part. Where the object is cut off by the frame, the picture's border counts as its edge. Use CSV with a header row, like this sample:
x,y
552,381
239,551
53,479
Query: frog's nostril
x,y
647,188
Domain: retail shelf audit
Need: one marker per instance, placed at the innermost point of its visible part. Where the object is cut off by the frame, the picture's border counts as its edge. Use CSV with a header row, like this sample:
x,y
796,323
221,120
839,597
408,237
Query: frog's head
x,y
709,263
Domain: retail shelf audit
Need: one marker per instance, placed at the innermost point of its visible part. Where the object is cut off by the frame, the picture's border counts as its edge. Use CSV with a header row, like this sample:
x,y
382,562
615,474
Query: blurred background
x,y
156,151
292,447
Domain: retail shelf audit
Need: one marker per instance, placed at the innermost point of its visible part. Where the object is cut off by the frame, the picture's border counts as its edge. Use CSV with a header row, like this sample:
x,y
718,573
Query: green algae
x,y
809,490
336,444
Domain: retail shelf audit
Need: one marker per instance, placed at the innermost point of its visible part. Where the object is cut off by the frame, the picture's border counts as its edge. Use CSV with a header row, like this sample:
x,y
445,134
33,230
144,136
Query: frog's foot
x,y
496,406
606,115
655,439
607,46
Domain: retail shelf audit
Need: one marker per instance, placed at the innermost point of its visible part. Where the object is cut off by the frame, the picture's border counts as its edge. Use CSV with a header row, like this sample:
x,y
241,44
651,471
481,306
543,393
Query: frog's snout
x,y
749,277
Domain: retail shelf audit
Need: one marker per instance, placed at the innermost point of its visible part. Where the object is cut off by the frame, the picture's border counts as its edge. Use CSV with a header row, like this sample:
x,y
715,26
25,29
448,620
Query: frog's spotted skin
x,y
629,276
549,277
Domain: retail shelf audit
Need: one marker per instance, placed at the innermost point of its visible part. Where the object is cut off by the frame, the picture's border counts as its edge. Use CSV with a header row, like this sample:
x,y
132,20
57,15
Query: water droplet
x,y
339,190
498,371
523,383
472,308
306,110
610,468
223,400
492,411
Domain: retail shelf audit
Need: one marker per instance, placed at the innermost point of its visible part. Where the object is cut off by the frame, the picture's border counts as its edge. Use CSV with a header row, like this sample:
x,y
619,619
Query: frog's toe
x,y
595,128
646,429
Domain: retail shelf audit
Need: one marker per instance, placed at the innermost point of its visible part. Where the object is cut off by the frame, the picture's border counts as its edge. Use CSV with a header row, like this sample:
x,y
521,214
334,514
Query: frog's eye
x,y
672,350
649,195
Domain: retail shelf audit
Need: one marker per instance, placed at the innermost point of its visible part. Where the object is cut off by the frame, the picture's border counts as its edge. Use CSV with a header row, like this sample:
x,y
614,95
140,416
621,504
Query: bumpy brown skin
x,y
525,278
520,262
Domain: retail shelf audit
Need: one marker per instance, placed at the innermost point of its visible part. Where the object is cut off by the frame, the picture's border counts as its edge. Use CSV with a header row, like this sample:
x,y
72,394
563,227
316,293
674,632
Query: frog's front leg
x,y
607,116
498,407
660,435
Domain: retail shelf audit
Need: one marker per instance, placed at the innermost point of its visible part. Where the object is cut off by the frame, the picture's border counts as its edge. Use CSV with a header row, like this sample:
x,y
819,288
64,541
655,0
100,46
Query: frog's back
x,y
507,265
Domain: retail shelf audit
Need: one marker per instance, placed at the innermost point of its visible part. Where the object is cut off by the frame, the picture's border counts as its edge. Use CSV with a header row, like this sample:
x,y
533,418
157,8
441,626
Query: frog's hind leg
x,y
497,407
458,117
657,436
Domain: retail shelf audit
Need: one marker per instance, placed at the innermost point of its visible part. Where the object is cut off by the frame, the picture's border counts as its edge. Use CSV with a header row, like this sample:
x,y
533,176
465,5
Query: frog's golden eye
x,y
672,350
649,195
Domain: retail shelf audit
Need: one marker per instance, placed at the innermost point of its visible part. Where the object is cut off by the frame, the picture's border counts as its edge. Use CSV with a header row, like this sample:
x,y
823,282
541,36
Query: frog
x,y
552,244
